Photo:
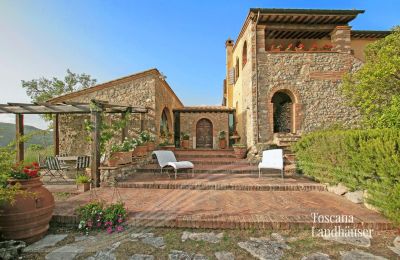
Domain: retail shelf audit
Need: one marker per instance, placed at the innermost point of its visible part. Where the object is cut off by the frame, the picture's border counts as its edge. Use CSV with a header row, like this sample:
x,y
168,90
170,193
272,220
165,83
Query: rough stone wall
x,y
219,120
313,79
164,99
136,92
242,91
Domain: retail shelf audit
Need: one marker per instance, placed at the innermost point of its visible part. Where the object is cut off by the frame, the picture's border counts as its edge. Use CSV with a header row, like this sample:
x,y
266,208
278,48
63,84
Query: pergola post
x,y
95,146
19,132
56,135
141,122
124,132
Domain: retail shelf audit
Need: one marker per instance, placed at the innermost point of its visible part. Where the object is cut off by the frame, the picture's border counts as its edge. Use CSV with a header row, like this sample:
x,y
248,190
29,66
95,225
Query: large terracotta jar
x,y
28,218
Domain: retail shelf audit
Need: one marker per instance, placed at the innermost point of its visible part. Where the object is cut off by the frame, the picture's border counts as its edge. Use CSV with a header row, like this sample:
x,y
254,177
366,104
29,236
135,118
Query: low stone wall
x,y
108,175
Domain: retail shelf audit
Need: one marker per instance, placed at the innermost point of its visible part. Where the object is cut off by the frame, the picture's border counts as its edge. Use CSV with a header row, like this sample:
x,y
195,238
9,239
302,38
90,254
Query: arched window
x,y
244,54
164,129
237,69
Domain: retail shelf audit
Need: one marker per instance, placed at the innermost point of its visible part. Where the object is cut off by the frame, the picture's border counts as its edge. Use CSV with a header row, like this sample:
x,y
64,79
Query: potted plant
x,y
147,139
151,145
222,139
314,47
26,206
289,47
165,141
327,47
185,140
240,150
121,153
276,48
83,183
140,147
300,47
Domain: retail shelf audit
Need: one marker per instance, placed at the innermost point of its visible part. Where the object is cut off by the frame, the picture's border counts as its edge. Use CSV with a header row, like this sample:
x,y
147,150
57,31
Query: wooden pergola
x,y
94,108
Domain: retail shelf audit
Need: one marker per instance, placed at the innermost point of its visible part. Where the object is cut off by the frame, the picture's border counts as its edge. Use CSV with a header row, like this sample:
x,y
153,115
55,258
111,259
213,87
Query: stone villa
x,y
282,76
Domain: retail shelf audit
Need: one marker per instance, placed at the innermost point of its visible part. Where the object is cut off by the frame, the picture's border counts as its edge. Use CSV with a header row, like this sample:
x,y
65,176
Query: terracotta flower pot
x,y
151,146
119,158
140,151
185,144
222,143
28,218
240,152
83,187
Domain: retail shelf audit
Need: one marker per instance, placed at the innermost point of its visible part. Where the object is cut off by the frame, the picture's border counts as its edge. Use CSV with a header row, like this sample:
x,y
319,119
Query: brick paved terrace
x,y
225,208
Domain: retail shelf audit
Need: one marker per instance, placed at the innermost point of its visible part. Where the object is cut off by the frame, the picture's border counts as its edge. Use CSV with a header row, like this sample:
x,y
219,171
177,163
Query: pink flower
x,y
89,223
109,230
120,228
98,224
120,220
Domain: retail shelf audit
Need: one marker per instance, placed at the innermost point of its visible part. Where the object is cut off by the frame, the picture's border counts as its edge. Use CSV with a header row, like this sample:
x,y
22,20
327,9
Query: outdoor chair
x,y
82,162
41,160
271,159
62,163
54,168
167,159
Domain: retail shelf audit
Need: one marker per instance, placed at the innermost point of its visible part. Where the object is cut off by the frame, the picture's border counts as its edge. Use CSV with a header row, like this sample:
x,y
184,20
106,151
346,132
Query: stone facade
x,y
219,120
146,89
312,80
311,77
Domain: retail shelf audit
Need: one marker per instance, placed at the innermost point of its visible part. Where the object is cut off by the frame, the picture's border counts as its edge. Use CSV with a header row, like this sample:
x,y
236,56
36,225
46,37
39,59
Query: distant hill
x,y
7,135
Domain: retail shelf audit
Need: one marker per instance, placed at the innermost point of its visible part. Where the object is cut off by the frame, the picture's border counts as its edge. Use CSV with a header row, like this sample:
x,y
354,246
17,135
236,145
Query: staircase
x,y
210,161
285,142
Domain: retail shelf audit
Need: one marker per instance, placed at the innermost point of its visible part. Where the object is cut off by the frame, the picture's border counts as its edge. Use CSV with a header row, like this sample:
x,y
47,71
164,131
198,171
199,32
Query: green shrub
x,y
360,159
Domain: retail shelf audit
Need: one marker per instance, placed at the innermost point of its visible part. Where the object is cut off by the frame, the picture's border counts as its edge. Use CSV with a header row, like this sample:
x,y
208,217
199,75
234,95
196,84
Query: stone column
x,y
340,38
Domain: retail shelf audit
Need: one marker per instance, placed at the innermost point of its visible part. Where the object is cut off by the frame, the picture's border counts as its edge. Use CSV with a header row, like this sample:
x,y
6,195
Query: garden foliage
x,y
375,88
97,215
360,159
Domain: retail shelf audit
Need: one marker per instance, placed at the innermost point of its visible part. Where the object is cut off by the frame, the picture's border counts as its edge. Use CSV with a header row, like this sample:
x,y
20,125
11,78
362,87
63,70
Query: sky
x,y
108,39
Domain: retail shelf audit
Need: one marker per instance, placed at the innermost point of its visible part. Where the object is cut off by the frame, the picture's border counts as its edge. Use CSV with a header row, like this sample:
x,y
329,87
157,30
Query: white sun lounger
x,y
271,159
167,159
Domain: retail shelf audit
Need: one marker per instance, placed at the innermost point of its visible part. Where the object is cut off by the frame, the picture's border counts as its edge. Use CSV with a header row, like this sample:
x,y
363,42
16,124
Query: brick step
x,y
288,139
194,155
215,160
198,171
230,150
222,186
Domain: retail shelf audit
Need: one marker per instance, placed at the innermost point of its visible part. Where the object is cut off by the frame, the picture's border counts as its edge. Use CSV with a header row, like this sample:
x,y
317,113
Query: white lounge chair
x,y
167,159
271,159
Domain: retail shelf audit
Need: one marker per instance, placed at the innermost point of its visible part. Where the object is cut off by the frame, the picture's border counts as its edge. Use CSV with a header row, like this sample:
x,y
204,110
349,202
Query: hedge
x,y
360,159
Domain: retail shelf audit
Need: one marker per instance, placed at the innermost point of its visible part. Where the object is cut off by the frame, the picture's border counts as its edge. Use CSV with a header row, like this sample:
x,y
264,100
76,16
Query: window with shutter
x,y
231,76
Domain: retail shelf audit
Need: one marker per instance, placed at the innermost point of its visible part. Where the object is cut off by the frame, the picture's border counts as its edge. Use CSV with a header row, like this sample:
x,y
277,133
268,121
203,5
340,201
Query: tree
x,y
375,88
41,90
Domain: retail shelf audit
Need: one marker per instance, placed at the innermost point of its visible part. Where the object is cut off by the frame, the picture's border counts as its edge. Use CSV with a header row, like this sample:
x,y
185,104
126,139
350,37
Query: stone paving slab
x,y
228,209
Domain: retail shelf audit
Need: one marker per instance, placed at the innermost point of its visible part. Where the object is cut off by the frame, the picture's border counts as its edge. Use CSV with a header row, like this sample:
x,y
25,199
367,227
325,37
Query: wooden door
x,y
204,134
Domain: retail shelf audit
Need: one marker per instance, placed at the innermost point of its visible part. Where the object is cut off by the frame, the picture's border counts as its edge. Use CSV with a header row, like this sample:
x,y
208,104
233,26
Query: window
x,y
237,69
244,54
164,129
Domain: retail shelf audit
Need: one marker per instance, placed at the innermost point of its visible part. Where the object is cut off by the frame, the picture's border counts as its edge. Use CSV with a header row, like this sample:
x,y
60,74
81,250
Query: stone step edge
x,y
207,186
230,222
